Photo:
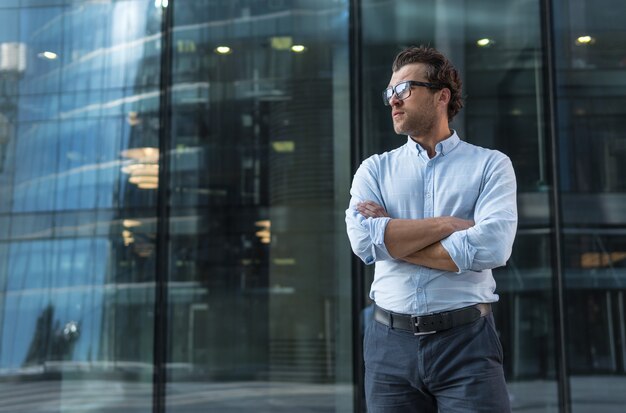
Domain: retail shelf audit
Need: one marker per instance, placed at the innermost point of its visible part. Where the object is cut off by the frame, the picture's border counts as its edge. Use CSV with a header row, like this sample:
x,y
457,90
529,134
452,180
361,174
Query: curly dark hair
x,y
439,70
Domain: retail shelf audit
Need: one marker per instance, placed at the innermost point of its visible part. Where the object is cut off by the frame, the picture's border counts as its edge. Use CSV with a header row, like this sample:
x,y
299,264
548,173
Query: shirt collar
x,y
443,147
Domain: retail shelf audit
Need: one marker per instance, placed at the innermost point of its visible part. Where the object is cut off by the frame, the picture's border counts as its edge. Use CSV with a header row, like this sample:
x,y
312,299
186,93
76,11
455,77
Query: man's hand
x,y
370,209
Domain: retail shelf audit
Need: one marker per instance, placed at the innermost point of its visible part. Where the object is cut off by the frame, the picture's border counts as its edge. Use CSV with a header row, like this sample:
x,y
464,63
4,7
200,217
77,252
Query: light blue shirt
x,y
461,180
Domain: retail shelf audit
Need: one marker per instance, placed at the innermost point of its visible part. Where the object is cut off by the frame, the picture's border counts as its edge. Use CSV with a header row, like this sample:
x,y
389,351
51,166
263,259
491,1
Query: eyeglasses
x,y
403,90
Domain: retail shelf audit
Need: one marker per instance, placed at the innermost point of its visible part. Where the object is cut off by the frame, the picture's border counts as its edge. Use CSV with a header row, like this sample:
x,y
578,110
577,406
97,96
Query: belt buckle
x,y
415,322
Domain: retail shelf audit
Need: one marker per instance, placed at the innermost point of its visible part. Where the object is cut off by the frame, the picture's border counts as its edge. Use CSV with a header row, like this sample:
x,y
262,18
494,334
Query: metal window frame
x,y
161,308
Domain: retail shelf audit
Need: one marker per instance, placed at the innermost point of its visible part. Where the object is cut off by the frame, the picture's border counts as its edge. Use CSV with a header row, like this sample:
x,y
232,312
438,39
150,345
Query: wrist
x,y
447,226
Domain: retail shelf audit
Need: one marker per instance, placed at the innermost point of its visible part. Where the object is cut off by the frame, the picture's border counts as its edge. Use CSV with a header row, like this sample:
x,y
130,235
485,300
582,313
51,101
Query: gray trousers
x,y
453,371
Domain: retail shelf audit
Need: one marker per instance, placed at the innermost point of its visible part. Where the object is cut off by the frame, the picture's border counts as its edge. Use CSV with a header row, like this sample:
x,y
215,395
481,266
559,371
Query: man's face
x,y
417,114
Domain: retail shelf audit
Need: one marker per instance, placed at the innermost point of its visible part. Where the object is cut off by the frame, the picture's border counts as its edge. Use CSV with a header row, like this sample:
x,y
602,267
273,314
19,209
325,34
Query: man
x,y
435,215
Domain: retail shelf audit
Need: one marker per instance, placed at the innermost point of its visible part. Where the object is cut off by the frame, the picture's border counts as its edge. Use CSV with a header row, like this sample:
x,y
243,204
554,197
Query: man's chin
x,y
404,132
400,130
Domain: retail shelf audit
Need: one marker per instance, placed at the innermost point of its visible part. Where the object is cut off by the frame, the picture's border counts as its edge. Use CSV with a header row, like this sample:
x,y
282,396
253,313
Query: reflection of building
x,y
218,174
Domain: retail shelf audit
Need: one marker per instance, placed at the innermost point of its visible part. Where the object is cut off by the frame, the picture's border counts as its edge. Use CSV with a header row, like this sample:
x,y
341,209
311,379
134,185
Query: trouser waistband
x,y
431,323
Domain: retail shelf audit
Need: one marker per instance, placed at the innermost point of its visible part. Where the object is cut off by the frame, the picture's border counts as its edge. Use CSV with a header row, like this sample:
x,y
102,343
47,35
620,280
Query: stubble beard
x,y
419,125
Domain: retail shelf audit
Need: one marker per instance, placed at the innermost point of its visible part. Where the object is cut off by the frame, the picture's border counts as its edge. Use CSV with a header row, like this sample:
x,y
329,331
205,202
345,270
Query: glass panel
x,y
591,90
78,89
595,262
259,286
497,49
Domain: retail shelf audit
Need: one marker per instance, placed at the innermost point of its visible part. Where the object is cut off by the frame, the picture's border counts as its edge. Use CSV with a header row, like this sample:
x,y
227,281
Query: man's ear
x,y
444,96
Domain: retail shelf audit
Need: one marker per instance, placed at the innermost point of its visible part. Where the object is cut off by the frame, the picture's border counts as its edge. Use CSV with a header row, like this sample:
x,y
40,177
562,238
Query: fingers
x,y
370,209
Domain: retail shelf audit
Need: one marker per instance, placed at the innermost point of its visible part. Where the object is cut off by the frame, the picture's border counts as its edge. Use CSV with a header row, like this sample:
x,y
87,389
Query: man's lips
x,y
394,114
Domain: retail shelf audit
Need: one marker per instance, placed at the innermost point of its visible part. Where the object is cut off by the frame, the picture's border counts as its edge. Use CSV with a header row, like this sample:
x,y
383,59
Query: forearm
x,y
433,256
404,237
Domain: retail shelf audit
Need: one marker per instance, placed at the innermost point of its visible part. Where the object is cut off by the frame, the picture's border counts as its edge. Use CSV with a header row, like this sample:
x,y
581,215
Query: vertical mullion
x,y
356,142
558,282
160,343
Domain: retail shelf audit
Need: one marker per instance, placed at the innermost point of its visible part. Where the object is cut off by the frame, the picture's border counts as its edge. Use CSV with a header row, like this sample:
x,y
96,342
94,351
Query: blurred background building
x,y
174,175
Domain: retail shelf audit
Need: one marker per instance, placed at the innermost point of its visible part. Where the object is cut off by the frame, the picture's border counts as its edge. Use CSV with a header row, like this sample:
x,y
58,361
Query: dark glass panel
x,y
590,41
496,46
595,262
259,286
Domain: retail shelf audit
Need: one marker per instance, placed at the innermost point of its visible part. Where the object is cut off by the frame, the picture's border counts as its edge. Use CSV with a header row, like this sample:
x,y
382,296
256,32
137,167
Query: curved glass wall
x,y
78,226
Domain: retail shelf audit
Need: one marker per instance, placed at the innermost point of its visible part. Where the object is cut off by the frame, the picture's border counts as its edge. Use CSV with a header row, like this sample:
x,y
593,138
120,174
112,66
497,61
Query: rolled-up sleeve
x,y
488,244
367,235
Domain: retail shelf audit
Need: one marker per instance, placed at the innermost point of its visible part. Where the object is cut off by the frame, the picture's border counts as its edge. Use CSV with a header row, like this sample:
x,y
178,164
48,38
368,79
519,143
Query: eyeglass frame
x,y
428,85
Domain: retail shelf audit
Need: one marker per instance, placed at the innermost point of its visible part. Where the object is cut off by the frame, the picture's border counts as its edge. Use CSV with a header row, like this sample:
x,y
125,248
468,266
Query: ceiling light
x,y
147,185
145,154
265,233
284,146
143,179
143,167
130,223
298,48
582,40
281,42
266,223
284,261
48,55
484,42
223,50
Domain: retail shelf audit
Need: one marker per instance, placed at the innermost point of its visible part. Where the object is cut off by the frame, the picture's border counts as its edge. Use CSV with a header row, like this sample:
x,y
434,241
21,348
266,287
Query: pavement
x,y
592,394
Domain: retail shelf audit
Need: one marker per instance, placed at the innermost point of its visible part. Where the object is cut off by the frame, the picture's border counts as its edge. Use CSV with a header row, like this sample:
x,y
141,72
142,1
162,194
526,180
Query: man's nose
x,y
394,101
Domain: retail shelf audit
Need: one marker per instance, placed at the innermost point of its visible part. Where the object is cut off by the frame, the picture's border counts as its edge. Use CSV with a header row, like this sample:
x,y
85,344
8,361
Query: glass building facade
x,y
174,176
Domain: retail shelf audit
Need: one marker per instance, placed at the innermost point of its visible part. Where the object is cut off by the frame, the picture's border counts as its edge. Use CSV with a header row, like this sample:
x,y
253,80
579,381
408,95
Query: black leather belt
x,y
431,323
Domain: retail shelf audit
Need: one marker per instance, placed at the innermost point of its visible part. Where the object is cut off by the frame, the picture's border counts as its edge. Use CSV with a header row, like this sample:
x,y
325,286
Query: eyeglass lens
x,y
401,90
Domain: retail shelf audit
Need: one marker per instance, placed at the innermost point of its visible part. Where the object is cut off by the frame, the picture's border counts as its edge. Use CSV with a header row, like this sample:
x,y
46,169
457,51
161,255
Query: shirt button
x,y
419,290
429,164
428,195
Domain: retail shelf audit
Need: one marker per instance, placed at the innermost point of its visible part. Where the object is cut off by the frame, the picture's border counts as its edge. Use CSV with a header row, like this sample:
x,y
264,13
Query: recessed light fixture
x,y
284,146
47,55
298,48
583,40
223,50
281,42
484,42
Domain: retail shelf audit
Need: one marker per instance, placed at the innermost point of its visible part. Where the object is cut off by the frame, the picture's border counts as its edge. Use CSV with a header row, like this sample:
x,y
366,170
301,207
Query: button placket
x,y
429,189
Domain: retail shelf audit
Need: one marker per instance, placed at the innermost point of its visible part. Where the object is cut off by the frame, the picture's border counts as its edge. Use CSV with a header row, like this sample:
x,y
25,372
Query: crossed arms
x,y
445,243
417,240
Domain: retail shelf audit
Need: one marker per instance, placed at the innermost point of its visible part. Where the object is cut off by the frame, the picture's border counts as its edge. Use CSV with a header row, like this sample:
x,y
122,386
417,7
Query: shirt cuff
x,y
460,250
376,228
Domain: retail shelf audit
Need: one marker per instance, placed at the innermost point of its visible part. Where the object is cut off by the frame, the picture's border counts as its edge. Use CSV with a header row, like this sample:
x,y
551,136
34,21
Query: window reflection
x,y
496,46
595,262
77,236
259,287
591,88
